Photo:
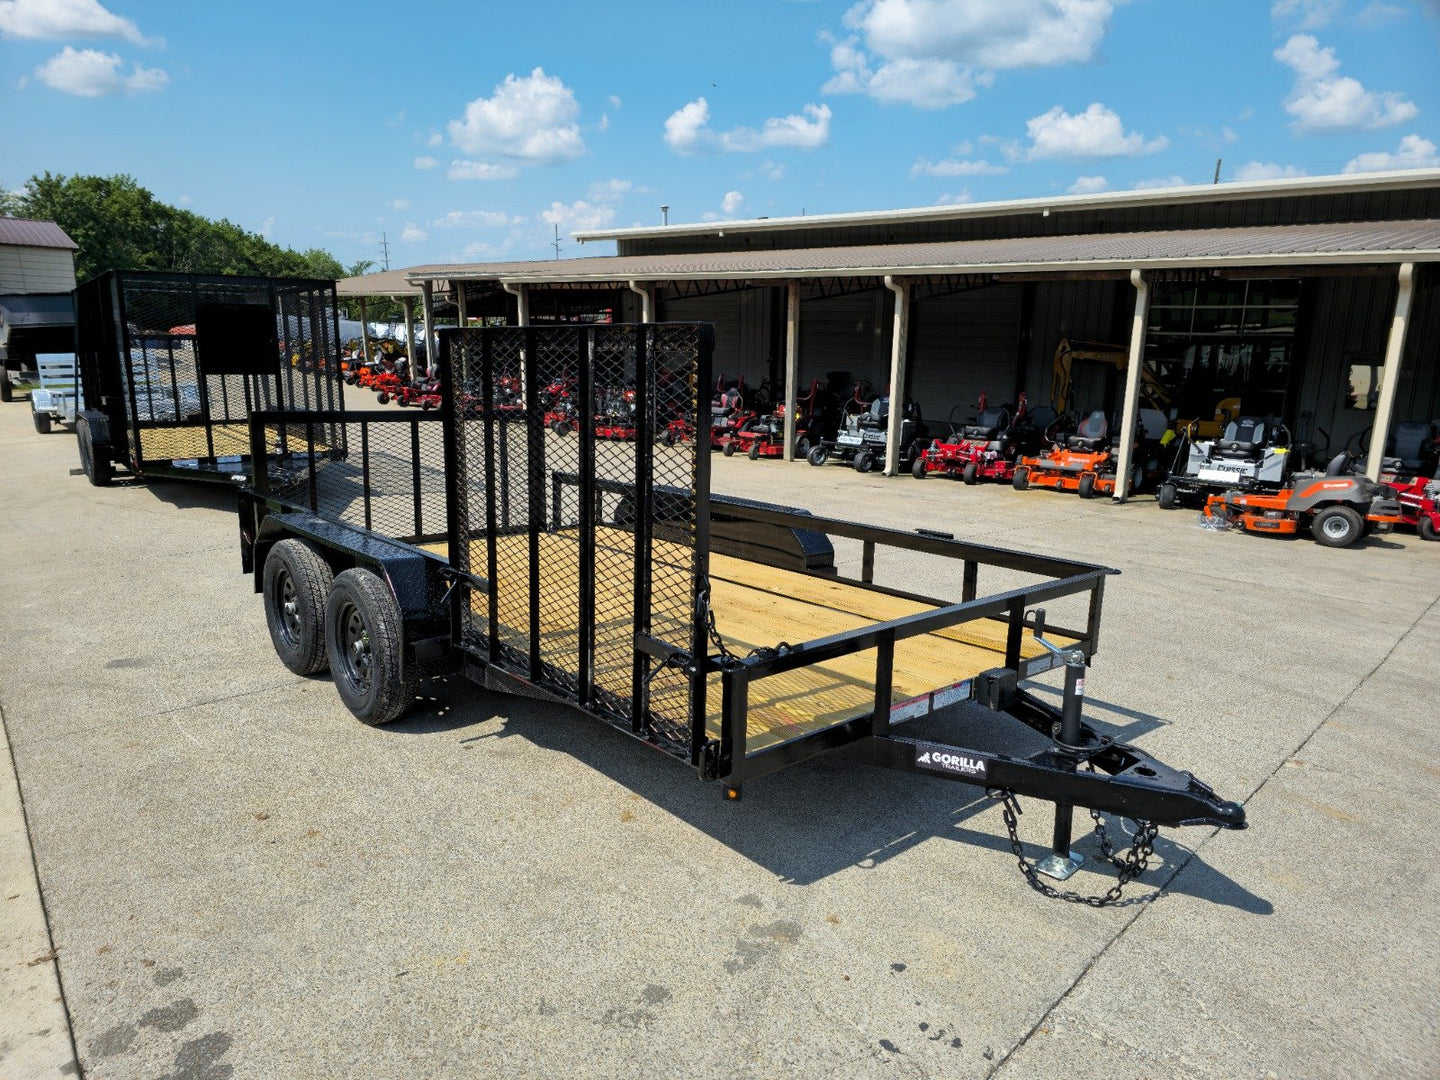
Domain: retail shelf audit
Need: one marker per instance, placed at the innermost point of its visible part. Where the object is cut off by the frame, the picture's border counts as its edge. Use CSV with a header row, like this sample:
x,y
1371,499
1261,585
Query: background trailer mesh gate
x,y
588,526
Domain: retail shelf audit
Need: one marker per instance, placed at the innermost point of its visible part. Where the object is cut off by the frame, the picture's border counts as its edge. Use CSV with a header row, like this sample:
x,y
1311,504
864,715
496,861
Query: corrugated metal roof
x,y
1109,200
25,232
1292,245
385,283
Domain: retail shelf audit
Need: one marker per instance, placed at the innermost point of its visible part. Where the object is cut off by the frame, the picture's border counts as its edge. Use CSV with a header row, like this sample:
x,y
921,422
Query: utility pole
x,y
556,242
385,250
1217,169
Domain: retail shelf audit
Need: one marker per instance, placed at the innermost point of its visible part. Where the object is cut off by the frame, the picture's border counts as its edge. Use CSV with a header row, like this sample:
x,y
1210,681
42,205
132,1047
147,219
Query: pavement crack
x,y
1194,851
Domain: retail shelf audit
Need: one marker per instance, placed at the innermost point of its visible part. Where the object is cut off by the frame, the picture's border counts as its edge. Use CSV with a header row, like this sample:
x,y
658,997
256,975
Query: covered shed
x,y
37,276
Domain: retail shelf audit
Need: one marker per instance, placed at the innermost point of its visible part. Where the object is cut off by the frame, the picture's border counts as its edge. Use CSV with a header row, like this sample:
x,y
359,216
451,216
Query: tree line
x,y
120,225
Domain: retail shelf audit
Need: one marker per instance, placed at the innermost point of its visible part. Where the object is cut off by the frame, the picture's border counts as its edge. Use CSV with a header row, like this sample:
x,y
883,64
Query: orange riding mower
x,y
1085,461
1336,510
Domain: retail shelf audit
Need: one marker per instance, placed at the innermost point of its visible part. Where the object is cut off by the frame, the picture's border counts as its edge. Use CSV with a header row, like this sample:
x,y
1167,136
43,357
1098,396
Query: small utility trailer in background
x,y
56,399
172,365
604,575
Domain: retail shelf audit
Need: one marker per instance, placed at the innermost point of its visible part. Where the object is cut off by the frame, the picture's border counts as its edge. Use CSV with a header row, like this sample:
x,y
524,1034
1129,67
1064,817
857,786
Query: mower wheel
x,y
802,447
1426,528
1337,526
1168,497
818,455
42,422
1021,480
729,450
754,451
668,438
383,398
1086,487
864,461
918,470
971,473
426,405
296,581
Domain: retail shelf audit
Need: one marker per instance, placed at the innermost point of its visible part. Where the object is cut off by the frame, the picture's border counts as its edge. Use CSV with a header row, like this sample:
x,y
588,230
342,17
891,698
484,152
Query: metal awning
x,y
1277,246
385,283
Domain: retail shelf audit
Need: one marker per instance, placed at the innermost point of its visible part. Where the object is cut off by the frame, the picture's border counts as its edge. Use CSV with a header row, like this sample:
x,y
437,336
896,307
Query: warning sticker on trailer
x,y
956,692
909,710
948,761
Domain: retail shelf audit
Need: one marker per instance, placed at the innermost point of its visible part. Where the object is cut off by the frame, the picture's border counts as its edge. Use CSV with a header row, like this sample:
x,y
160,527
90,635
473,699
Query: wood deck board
x,y
755,606
182,443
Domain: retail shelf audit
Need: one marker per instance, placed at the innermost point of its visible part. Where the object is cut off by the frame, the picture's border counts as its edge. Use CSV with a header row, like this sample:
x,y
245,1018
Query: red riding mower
x,y
989,445
731,413
615,419
765,436
387,385
1412,467
558,401
426,394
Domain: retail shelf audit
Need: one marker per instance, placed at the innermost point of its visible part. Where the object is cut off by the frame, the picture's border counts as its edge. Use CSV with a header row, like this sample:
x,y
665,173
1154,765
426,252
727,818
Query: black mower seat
x,y
1409,445
1245,437
988,424
878,415
1092,434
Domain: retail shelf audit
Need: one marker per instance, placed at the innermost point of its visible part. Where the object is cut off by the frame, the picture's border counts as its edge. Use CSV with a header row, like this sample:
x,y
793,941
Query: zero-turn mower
x,y
1086,460
1251,455
863,437
988,447
765,435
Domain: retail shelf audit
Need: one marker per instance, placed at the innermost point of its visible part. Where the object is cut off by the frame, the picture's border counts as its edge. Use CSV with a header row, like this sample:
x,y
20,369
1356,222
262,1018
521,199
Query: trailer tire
x,y
42,422
864,461
754,451
1021,480
7,388
1426,528
296,583
365,642
971,473
1168,497
729,450
1086,488
94,460
818,455
1337,526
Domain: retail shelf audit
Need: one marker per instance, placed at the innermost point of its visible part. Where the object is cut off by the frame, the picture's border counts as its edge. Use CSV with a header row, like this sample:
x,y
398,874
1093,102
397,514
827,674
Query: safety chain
x,y
1131,867
706,614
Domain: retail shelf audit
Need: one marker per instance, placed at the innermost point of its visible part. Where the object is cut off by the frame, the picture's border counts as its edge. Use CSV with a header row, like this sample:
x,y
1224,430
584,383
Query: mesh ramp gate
x,y
589,527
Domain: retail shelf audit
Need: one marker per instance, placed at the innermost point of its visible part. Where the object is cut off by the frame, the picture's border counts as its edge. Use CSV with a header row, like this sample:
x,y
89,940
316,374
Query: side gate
x,y
579,489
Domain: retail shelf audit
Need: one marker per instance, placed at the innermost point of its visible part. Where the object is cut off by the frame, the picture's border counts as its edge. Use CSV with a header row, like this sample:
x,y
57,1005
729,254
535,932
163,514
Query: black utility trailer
x,y
172,366
734,636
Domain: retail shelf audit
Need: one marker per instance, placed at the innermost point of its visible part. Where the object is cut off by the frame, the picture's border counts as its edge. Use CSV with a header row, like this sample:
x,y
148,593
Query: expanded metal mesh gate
x,y
578,492
167,363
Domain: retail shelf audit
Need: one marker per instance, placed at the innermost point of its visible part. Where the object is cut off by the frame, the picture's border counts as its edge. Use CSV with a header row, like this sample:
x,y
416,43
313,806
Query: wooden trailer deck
x,y
755,605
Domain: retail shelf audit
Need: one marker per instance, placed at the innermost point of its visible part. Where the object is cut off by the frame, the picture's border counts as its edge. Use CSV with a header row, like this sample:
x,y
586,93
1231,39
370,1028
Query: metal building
x,y
1312,300
37,275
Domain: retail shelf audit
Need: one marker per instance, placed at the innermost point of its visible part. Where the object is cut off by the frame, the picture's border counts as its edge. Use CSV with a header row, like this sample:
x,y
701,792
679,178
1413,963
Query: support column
x,y
1390,375
522,302
792,364
364,333
1125,456
898,340
408,303
460,303
647,300
427,312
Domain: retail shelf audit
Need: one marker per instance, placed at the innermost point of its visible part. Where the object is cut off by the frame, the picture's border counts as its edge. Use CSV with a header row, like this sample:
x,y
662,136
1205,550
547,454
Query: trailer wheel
x,y
7,388
1021,480
1168,497
42,422
918,470
296,582
754,451
818,455
1337,526
364,639
1086,488
864,461
95,461
971,473
729,450
1426,528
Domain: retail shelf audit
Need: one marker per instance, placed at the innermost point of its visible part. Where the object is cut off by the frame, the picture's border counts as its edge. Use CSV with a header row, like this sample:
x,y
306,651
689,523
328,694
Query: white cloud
x,y
1305,14
57,19
1376,14
579,215
1088,185
413,234
435,139
771,170
953,167
604,122
614,100
472,219
426,162
1266,170
91,73
184,200
1414,153
687,130
1173,180
1323,100
1096,132
267,227
531,119
957,199
460,169
934,53
731,203
609,190
399,204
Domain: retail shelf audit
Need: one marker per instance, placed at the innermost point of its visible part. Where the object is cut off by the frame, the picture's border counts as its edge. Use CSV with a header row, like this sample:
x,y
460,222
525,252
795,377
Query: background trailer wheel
x,y
1337,526
365,641
42,422
297,580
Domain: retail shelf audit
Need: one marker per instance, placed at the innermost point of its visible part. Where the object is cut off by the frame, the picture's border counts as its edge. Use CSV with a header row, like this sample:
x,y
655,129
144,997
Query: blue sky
x,y
469,131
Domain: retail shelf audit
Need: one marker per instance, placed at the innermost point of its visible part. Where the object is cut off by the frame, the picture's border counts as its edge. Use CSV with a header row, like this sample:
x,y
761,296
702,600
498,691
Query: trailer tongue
x,y
735,636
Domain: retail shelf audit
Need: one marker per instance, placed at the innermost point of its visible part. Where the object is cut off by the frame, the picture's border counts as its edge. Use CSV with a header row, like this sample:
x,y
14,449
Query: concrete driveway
x,y
240,880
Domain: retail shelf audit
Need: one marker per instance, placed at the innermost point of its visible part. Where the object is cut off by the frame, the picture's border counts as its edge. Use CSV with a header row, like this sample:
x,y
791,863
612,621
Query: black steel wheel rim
x,y
355,647
288,603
